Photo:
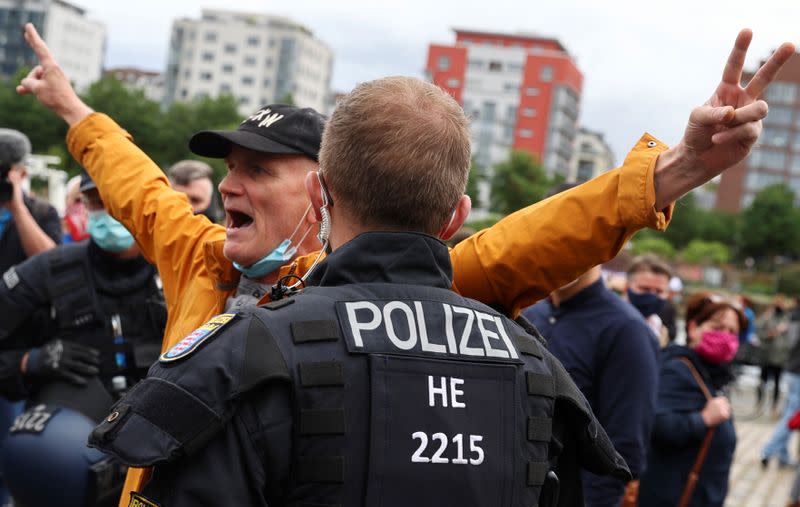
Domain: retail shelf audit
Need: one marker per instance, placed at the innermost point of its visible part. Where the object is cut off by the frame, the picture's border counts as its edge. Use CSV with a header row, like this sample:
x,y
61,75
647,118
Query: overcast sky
x,y
645,64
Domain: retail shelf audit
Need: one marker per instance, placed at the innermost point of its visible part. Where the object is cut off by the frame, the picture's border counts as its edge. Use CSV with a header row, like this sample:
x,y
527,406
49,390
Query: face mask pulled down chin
x,y
717,347
276,258
107,233
648,304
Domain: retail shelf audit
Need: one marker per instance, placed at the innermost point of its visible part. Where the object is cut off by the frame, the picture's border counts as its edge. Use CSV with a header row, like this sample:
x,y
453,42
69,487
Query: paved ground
x,y
750,485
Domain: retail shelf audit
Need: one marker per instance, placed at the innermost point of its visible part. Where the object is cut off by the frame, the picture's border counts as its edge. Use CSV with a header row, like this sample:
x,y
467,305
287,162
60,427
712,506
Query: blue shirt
x,y
608,349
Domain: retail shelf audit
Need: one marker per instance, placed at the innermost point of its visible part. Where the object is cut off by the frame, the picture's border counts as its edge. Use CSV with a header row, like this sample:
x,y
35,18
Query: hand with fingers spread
x,y
721,132
62,360
49,83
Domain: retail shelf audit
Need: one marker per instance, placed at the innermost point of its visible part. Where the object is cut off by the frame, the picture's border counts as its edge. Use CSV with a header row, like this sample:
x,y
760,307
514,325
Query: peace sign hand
x,y
49,83
721,132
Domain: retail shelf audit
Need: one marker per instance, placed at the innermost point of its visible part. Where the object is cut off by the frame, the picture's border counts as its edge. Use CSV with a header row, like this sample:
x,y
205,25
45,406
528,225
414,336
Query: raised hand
x,y
721,132
49,83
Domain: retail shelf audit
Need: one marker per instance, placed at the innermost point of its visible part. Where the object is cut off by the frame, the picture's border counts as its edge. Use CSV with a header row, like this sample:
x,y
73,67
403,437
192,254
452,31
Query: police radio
x,y
6,189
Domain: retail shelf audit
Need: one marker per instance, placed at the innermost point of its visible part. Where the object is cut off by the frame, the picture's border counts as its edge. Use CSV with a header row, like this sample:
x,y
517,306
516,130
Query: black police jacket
x,y
78,292
378,387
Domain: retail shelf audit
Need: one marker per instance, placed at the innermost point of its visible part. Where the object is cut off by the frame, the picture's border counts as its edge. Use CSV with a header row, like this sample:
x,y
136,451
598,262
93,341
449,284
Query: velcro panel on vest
x,y
321,422
537,473
157,421
540,385
263,359
329,469
527,345
540,429
315,331
319,374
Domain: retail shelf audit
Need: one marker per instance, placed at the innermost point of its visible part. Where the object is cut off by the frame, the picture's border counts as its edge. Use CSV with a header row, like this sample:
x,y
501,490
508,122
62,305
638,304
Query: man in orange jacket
x,y
511,265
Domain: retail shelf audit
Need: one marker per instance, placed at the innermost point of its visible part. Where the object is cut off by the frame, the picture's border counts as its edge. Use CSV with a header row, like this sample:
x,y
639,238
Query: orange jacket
x,y
511,265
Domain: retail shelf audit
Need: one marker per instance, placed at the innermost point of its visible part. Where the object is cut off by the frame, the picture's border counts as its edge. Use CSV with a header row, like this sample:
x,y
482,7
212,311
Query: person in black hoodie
x,y
684,415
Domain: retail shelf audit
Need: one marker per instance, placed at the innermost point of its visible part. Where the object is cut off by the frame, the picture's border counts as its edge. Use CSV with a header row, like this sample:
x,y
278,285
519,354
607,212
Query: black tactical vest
x,y
403,396
123,315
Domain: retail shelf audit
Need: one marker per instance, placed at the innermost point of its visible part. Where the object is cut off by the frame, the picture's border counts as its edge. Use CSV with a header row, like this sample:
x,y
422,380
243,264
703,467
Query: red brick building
x,y
521,91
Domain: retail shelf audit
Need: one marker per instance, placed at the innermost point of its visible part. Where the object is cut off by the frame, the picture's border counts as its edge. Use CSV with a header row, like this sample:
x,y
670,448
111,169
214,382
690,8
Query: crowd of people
x,y
311,340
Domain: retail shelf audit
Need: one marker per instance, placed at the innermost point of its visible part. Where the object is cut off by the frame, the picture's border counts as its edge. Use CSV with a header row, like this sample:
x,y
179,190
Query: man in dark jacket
x,y
376,385
608,349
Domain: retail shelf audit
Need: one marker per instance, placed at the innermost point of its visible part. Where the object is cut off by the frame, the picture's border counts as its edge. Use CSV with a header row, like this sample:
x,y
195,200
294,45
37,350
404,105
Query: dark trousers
x,y
768,371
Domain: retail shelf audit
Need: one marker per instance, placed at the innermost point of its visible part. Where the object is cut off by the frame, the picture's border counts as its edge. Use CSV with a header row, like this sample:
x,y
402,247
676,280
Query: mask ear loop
x,y
323,236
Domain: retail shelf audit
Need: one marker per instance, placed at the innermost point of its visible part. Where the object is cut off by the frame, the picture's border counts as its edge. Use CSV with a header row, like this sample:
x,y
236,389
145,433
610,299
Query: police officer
x,y
379,385
81,324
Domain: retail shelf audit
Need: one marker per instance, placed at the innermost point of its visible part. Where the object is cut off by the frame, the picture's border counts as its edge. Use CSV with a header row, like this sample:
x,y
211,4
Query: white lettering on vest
x,y
411,341
423,333
355,326
463,347
487,334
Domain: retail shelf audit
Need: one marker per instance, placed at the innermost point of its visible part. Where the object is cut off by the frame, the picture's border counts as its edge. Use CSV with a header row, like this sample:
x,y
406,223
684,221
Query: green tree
x,y
655,245
789,280
518,182
686,222
287,99
771,224
26,114
476,175
719,226
705,252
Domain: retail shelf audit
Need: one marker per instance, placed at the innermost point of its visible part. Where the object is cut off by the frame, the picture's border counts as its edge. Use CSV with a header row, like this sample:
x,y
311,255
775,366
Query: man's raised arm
x,y
530,253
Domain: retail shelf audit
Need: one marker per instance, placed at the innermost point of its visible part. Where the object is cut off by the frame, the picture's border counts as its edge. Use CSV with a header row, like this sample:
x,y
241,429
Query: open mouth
x,y
238,220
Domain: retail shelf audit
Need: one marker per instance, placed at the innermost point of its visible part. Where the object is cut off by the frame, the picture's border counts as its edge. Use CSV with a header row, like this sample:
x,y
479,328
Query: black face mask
x,y
647,304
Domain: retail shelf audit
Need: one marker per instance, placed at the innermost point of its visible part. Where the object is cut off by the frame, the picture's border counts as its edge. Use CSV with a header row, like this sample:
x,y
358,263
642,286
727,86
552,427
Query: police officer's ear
x,y
316,194
458,218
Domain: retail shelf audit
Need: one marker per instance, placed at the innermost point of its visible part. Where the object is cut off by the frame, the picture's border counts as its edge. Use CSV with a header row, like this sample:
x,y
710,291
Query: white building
x,y
259,59
151,83
591,157
78,43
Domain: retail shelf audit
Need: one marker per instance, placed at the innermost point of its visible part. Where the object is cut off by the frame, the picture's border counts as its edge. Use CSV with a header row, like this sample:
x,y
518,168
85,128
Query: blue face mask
x,y
107,233
647,303
279,256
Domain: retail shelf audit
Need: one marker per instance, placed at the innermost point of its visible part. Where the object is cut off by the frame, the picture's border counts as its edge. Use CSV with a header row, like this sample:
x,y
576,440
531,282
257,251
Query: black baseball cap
x,y
86,183
276,128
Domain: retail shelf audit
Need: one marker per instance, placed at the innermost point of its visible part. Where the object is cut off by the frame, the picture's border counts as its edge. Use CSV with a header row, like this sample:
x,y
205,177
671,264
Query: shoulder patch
x,y
11,278
196,338
139,500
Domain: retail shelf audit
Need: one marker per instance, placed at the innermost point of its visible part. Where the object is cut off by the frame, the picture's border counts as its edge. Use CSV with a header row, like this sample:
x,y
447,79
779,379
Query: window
x,y
230,48
510,87
244,100
272,43
488,113
514,67
224,88
531,91
781,92
779,115
184,93
767,159
443,63
453,83
268,63
795,167
208,56
511,112
211,37
205,76
475,64
495,66
774,137
526,133
227,68
529,112
187,73
546,74
249,60
267,82
585,170
247,80
253,41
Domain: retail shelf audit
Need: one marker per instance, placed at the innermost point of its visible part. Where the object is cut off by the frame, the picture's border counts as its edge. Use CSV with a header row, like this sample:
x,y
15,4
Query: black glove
x,y
63,360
